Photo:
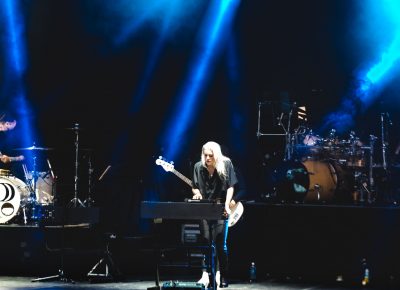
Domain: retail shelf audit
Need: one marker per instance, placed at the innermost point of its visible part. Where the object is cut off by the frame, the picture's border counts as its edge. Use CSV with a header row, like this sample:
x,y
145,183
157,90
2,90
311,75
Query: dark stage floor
x,y
295,246
9,283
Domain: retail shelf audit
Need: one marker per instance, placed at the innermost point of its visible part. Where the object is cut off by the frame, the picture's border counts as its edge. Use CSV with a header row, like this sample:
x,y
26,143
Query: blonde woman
x,y
214,179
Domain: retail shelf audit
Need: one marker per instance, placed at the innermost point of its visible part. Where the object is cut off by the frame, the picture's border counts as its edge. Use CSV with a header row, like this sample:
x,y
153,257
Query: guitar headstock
x,y
168,166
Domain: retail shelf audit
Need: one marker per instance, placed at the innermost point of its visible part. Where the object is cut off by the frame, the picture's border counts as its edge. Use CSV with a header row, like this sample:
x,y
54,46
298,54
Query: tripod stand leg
x,y
59,277
111,271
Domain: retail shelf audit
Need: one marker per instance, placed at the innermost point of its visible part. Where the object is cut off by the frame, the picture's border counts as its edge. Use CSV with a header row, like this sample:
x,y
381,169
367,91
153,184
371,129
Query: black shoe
x,y
224,282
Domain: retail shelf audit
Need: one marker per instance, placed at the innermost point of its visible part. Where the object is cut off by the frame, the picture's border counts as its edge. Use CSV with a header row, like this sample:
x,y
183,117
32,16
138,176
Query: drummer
x,y
6,125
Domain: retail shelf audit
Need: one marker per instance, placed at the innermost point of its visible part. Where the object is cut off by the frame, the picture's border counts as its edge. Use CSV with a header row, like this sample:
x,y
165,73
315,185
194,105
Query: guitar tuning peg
x,y
172,162
160,157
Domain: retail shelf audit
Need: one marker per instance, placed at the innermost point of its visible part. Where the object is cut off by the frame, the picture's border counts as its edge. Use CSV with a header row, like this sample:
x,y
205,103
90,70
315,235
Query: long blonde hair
x,y
219,158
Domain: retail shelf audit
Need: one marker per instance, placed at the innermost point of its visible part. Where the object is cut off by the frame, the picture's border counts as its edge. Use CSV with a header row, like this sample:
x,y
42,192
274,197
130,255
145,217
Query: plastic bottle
x,y
365,281
253,272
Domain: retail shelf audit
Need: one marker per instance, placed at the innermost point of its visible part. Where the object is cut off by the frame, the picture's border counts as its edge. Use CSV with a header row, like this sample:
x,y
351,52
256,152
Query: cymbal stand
x,y
288,146
384,143
53,188
75,202
372,140
35,197
31,204
89,201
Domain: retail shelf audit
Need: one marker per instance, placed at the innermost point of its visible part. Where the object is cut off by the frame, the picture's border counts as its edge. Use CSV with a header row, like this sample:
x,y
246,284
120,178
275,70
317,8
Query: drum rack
x,y
350,154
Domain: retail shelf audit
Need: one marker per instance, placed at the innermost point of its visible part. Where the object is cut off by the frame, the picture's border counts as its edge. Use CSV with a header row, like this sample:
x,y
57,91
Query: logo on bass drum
x,y
7,199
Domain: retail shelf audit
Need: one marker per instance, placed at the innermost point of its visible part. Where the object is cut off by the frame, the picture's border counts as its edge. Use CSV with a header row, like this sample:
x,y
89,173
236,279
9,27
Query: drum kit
x,y
23,201
330,169
30,199
321,169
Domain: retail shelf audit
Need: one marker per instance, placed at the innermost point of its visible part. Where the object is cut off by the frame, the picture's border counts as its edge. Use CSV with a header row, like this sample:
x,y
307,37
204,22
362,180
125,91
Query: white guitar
x,y
236,210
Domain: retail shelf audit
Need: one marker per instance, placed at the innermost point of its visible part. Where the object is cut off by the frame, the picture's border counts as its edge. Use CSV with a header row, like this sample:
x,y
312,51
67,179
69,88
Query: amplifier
x,y
182,285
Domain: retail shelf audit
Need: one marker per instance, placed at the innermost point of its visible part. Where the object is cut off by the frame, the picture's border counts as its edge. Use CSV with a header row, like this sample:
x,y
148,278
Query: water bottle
x,y
253,272
365,280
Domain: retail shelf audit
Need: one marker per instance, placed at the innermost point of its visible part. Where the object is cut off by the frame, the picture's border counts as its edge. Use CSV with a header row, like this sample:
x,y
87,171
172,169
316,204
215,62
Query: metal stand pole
x,y
89,201
75,202
384,144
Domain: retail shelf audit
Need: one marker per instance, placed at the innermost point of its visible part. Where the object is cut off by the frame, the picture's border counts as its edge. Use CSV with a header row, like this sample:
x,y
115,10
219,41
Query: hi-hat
x,y
33,148
75,128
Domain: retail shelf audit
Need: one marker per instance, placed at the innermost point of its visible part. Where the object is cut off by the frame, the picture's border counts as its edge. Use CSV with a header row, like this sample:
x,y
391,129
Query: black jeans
x,y
219,234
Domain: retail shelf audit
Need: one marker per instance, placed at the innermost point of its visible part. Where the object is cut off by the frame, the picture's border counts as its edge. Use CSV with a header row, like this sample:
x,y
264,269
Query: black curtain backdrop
x,y
296,51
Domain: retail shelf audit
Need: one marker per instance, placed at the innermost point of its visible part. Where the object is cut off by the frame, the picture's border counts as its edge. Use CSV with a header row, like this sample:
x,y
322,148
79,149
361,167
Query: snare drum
x,y
44,187
13,192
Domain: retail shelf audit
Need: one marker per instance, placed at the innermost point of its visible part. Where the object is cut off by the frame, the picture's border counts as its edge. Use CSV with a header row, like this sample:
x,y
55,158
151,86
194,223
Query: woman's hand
x,y
197,194
227,209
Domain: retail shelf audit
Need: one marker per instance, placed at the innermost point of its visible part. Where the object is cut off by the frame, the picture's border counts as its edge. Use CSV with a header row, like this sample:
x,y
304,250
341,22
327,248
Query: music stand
x,y
75,202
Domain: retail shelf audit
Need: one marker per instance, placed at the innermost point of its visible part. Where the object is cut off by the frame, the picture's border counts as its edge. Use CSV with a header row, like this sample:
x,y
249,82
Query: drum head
x,y
292,181
10,197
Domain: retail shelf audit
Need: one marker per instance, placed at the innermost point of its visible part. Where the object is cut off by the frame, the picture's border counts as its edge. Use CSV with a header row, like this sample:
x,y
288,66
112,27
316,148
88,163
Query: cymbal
x,y
34,148
75,128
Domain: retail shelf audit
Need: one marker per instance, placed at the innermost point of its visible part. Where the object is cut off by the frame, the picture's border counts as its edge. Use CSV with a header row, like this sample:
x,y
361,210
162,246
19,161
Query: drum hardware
x,y
75,202
31,203
4,172
384,119
89,201
54,184
289,137
34,148
372,140
317,187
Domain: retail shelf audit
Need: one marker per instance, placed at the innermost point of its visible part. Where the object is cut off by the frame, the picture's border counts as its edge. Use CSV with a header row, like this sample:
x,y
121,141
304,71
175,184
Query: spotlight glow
x,y
211,39
381,16
16,56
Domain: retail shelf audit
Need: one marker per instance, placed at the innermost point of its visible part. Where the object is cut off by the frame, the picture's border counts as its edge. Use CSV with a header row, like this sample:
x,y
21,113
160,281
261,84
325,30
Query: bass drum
x,y
309,181
13,192
323,181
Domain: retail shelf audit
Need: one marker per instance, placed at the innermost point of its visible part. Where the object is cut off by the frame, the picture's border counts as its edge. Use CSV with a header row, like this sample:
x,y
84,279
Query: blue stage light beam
x,y
15,53
143,14
236,107
153,59
382,16
186,108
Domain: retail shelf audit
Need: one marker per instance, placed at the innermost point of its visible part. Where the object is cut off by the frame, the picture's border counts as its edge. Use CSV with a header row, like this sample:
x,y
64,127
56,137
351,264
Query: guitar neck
x,y
182,177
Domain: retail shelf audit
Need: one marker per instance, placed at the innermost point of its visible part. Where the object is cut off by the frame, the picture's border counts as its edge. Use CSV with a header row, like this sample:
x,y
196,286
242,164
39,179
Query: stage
x,y
311,243
11,283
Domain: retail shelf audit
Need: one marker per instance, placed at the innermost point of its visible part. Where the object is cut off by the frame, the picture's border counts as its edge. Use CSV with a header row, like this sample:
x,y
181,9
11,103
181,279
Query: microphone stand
x,y
75,202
